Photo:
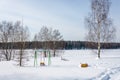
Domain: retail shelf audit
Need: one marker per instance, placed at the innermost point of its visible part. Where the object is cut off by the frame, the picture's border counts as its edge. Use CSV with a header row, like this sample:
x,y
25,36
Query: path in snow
x,y
108,74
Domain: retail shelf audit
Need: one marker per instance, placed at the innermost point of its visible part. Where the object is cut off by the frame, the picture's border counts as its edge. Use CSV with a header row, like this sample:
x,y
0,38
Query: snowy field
x,y
106,68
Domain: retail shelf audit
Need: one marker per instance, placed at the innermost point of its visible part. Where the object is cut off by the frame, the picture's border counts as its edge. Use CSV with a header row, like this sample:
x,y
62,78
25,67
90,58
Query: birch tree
x,y
99,24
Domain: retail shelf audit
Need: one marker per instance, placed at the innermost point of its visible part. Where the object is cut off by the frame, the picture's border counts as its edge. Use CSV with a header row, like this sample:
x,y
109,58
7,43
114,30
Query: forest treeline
x,y
67,45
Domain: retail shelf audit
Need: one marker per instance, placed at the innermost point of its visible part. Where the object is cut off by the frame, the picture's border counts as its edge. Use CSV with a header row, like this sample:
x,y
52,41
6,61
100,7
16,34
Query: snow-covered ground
x,y
105,68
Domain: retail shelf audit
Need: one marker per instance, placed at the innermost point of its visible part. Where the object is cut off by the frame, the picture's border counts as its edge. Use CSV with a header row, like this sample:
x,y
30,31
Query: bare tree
x,y
56,36
22,36
48,35
99,25
6,36
45,35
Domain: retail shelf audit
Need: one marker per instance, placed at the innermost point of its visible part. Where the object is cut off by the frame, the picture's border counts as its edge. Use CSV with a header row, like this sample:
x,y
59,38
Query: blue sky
x,y
65,15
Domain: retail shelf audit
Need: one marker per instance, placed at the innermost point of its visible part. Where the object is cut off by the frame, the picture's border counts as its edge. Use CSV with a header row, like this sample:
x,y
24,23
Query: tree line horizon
x,y
62,45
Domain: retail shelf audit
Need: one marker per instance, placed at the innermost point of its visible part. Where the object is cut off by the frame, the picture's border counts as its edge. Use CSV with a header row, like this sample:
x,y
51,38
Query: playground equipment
x,y
84,65
42,57
35,58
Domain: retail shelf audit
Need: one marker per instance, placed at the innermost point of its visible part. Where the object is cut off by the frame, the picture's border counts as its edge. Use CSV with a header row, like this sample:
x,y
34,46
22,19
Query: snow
x,y
67,68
